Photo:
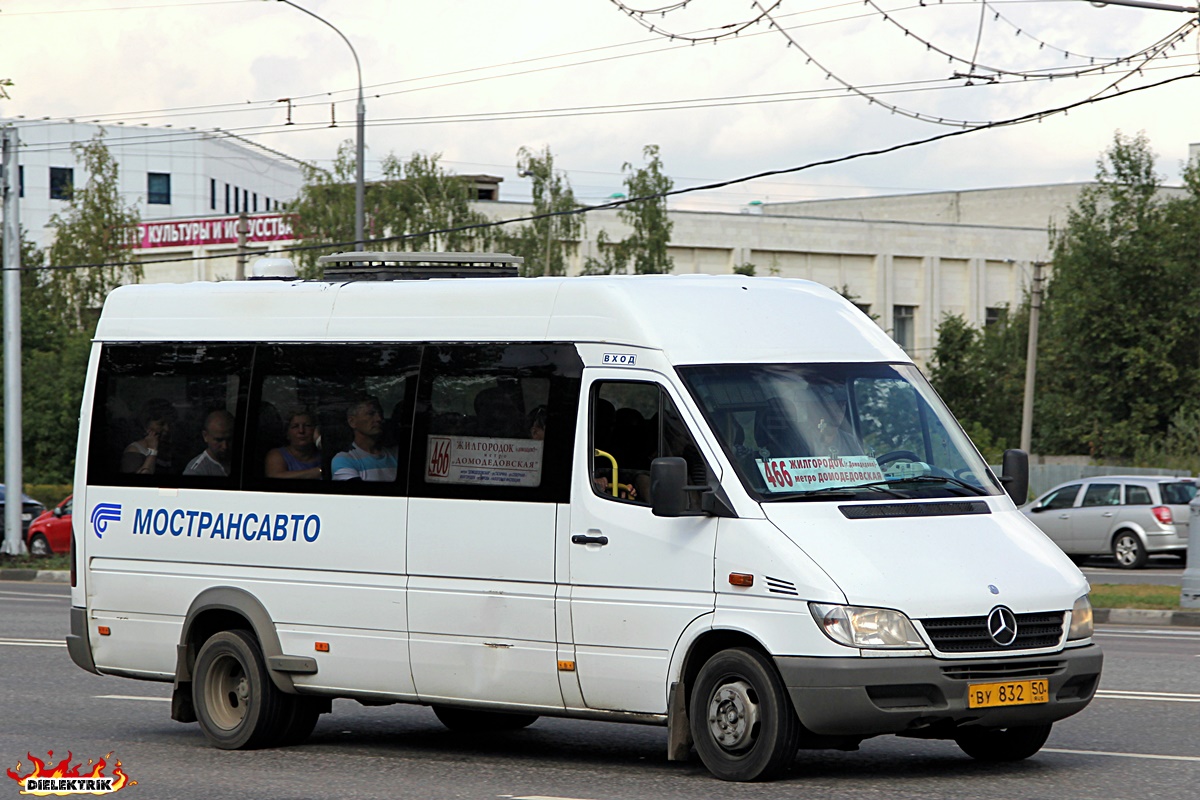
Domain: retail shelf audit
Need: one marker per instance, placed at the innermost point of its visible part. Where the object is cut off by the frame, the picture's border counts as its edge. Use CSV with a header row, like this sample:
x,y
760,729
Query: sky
x,y
733,89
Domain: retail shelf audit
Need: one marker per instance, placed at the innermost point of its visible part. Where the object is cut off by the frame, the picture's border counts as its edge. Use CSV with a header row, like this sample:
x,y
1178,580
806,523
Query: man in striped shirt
x,y
367,459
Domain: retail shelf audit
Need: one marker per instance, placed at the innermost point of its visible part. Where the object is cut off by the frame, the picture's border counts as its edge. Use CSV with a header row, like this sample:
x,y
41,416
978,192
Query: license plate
x,y
1008,693
26,517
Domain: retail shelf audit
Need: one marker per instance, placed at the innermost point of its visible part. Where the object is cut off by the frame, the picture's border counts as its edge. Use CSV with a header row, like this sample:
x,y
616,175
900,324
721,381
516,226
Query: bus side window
x,y
169,415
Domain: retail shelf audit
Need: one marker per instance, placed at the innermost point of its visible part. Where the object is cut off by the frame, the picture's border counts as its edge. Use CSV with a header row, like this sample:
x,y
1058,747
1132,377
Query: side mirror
x,y
1015,475
668,476
1037,509
57,511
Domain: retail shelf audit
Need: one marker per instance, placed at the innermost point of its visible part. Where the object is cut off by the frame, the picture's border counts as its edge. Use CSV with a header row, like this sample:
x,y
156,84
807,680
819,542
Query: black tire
x,y
39,546
237,705
741,718
1002,744
1128,550
471,720
299,717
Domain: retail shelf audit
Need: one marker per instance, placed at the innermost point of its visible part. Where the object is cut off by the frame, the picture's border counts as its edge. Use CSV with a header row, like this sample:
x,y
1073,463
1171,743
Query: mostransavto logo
x,y
103,514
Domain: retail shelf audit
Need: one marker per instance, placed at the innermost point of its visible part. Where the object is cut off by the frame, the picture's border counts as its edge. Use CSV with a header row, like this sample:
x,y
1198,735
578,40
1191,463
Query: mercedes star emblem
x,y
1002,626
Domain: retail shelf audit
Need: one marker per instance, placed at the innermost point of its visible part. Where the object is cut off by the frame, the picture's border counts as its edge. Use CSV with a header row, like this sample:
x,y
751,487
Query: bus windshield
x,y
832,431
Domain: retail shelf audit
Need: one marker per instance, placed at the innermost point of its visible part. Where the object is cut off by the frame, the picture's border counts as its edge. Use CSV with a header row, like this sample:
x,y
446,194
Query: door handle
x,y
1064,516
583,538
1107,514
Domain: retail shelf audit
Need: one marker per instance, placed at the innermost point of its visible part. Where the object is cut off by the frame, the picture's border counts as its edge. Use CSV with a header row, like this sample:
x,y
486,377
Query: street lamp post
x,y
359,183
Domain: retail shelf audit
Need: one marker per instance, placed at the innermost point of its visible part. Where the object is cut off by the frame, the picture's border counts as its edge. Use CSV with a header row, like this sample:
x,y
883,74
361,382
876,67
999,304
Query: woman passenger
x,y
300,458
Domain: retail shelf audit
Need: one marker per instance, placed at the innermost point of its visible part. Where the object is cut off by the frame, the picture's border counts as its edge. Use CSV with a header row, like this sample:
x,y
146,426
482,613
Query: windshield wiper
x,y
938,479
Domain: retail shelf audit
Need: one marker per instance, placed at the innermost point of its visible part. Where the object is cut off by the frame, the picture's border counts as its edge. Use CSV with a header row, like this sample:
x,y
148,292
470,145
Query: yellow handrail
x,y
609,456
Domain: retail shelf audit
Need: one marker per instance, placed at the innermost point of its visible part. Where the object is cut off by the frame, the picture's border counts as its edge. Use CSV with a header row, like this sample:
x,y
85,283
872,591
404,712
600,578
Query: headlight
x,y
1081,619
865,627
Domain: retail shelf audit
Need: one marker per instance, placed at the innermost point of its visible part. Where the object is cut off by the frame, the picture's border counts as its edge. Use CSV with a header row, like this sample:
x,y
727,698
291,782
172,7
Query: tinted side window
x,y
1102,494
1179,493
496,422
1137,495
1062,498
632,423
332,418
169,415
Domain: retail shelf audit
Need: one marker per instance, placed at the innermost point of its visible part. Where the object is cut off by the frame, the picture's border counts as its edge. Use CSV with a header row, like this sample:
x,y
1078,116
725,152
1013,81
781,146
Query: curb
x,y
36,575
1102,616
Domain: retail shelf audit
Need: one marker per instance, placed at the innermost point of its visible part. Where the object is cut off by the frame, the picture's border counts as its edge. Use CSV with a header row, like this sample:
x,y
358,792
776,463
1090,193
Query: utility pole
x,y
1035,310
243,232
13,544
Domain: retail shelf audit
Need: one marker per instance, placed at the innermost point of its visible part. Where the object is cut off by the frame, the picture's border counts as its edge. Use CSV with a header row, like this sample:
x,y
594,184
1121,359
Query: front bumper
x,y
872,696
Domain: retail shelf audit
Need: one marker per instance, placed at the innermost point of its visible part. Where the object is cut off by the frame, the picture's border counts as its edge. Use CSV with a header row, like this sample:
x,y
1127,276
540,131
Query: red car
x,y
51,532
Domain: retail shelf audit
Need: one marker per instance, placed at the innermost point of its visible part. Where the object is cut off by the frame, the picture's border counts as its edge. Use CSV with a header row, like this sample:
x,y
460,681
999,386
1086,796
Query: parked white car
x,y
1129,517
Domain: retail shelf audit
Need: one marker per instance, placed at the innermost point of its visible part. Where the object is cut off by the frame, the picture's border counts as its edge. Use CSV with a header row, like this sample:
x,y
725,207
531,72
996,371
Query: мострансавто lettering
x,y
191,523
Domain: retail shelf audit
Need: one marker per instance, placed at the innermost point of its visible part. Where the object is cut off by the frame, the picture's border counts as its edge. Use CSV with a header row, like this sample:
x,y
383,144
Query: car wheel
x,y
472,720
741,718
237,704
1128,550
39,546
1002,744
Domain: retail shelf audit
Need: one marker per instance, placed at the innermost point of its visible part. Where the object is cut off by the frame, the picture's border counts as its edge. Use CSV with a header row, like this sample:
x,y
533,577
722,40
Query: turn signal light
x,y
740,579
104,630
322,647
566,666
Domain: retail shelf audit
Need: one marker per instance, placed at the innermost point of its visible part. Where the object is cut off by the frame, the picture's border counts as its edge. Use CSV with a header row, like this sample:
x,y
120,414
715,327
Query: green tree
x,y
419,197
323,210
544,243
647,244
97,227
1118,355
980,374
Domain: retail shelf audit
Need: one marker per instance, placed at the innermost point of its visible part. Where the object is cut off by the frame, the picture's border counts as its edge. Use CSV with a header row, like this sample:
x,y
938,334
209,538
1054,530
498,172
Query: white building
x,y
165,172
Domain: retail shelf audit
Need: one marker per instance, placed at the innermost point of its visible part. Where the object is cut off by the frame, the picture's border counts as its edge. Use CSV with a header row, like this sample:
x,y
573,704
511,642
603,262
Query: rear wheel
x,y
741,718
1128,550
38,546
472,720
236,703
1002,744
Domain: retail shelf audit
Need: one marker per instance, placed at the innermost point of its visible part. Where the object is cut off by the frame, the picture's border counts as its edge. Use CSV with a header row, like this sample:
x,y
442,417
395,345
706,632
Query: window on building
x,y
996,315
158,188
62,182
227,198
904,326
245,199
254,202
237,199
21,181
212,194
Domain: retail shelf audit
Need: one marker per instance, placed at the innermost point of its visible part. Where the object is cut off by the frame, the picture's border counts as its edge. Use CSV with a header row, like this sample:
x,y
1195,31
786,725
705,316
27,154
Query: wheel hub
x,y
733,716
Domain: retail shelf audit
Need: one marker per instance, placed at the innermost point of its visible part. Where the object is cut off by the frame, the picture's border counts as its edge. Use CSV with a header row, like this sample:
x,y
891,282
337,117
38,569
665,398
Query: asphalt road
x,y
1160,570
1139,739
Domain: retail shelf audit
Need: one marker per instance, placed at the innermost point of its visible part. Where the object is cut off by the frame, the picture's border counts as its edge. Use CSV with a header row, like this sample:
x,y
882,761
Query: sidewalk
x,y
1103,616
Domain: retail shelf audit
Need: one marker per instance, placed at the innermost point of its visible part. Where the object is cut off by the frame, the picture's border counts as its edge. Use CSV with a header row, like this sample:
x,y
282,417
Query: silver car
x,y
1130,518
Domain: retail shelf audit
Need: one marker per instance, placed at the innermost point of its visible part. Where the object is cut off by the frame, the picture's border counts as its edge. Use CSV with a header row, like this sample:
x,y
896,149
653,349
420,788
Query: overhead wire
x,y
618,203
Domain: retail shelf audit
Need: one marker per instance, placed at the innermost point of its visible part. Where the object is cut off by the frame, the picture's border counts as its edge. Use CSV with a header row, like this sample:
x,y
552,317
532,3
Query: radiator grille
x,y
991,671
970,634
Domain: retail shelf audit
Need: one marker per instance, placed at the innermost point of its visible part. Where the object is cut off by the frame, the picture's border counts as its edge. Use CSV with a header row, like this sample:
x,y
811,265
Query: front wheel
x,y
38,546
470,720
1129,551
237,705
741,718
1002,744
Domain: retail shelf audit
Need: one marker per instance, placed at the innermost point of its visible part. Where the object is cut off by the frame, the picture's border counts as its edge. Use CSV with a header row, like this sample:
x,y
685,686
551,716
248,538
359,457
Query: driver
x,y
829,427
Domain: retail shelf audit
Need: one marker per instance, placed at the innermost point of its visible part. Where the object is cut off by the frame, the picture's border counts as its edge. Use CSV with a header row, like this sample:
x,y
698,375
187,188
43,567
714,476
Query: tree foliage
x,y
544,243
414,207
645,248
97,227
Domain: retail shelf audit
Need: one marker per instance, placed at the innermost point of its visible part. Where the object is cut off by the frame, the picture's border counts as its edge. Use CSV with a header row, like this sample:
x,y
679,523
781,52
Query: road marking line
x,y
1150,756
44,595
1170,697
131,697
33,642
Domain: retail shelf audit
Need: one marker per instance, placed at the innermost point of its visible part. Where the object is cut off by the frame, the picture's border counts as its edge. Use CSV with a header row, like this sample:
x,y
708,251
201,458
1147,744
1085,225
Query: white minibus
x,y
727,505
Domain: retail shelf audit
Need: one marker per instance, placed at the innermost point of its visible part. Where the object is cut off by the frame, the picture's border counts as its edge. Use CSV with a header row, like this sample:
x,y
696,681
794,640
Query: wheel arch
x,y
220,608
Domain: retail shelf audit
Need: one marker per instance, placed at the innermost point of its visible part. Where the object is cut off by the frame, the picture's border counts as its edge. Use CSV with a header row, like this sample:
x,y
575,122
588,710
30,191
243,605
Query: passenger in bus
x,y
218,447
146,456
300,457
367,459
